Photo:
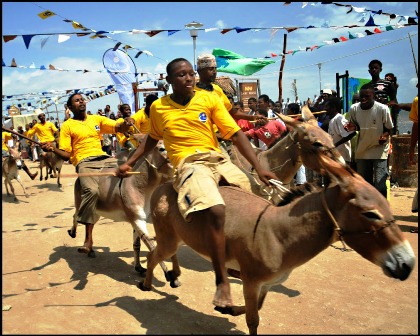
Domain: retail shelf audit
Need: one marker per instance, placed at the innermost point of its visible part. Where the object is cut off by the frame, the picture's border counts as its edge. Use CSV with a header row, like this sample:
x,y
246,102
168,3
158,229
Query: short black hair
x,y
69,103
294,108
375,61
171,64
264,97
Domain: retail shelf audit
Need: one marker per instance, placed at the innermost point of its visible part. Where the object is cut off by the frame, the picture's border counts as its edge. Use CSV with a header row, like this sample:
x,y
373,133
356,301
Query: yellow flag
x,y
46,14
77,25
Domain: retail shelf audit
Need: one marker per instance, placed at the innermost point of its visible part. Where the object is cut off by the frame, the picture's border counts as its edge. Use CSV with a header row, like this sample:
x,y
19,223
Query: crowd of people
x,y
195,128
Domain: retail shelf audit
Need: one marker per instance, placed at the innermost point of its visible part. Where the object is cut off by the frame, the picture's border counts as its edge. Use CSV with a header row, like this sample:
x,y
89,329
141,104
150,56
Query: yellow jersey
x,y
5,137
188,129
82,138
45,132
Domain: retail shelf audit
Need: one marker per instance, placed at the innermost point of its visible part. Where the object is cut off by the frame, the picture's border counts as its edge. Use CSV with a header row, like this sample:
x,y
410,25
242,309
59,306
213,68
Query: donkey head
x,y
15,155
313,140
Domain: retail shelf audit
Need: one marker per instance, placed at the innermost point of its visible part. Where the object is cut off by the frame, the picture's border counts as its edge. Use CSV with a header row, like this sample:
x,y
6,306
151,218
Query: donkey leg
x,y
73,231
155,256
20,182
136,248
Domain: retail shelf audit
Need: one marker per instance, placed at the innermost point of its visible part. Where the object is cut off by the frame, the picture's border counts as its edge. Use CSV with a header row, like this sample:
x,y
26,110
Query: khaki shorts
x,y
197,179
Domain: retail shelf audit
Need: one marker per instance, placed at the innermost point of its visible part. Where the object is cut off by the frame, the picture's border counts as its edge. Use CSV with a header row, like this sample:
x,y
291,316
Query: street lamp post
x,y
194,34
193,27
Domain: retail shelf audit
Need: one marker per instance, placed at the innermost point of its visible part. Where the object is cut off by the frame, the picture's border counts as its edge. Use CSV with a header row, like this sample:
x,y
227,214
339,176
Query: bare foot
x,y
84,249
222,297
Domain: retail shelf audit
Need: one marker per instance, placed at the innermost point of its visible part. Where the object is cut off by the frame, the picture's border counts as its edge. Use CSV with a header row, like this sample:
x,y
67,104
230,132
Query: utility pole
x,y
320,81
414,57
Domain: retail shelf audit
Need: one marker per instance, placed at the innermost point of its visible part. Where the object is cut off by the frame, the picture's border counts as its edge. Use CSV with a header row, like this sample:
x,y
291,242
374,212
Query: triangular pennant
x,y
63,38
3,64
290,29
153,32
46,14
138,54
412,21
43,41
27,39
389,27
240,30
368,32
273,55
370,22
336,40
77,25
51,67
42,67
351,37
343,39
224,31
13,64
7,38
377,30
171,32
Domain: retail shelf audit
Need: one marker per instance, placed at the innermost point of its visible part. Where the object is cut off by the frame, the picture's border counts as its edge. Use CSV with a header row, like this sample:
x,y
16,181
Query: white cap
x,y
327,91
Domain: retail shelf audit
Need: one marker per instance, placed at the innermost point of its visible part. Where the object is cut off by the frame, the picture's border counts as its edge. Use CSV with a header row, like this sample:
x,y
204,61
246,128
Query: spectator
x,y
336,129
252,104
264,103
395,111
245,125
268,133
385,91
373,121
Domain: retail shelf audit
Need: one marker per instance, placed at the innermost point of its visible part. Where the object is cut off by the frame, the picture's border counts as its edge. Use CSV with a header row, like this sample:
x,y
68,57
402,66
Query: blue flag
x,y
122,71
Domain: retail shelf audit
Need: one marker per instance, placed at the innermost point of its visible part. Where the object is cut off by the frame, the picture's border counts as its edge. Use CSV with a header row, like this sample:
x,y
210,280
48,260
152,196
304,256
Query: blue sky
x,y
392,47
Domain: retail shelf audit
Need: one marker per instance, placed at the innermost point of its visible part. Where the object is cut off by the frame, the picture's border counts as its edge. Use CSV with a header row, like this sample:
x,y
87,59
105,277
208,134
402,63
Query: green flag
x,y
230,62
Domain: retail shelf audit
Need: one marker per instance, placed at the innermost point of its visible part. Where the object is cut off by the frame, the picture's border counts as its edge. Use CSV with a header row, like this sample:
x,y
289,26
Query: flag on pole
x,y
123,72
230,62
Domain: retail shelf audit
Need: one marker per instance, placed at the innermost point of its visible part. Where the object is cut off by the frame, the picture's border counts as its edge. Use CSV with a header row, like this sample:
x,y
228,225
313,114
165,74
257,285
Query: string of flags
x,y
403,20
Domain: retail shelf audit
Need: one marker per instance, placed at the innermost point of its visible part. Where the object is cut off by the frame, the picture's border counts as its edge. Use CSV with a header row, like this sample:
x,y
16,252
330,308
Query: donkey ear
x,y
308,116
292,122
336,170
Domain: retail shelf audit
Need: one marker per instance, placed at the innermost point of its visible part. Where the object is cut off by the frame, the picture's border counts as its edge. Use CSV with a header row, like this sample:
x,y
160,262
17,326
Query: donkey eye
x,y
372,215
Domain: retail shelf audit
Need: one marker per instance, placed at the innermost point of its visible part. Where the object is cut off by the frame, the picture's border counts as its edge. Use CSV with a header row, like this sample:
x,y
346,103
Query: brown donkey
x,y
10,171
266,242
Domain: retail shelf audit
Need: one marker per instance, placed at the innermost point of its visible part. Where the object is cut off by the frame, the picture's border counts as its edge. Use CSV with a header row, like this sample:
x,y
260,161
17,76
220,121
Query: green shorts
x,y
197,179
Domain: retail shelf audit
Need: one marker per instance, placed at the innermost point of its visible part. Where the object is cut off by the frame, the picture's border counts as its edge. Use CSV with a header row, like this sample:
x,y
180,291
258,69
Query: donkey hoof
x,y
143,287
175,283
141,270
170,276
87,250
71,233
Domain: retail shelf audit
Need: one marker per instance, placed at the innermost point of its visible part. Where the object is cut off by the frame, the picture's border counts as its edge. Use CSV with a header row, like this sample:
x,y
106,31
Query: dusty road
x,y
49,288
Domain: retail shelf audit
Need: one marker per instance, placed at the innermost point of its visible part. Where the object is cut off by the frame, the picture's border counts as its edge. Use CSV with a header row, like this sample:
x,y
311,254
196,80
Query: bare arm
x,y
144,148
240,140
413,141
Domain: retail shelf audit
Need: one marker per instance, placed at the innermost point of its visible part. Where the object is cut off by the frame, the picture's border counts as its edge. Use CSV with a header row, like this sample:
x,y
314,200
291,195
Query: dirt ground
x,y
49,288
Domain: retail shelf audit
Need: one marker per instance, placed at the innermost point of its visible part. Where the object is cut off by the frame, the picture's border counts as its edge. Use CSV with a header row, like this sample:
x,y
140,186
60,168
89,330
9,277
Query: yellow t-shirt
x,y
45,132
121,136
414,112
217,91
142,121
5,137
81,138
188,129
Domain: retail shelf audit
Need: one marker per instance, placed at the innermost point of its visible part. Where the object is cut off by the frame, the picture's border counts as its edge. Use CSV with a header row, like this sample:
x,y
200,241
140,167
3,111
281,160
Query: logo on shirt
x,y
380,87
267,135
202,117
97,128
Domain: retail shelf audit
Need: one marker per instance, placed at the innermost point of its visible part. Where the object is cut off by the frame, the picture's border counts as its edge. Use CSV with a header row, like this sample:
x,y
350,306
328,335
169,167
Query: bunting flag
x,y
122,71
46,14
230,62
